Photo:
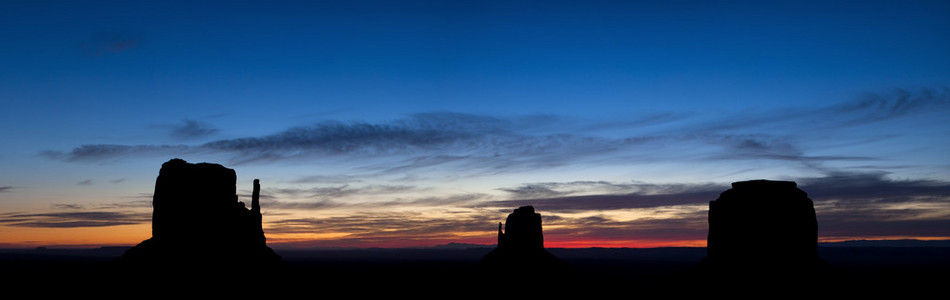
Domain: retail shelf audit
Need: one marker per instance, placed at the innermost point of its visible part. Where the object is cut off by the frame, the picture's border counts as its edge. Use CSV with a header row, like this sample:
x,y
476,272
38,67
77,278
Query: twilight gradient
x,y
414,123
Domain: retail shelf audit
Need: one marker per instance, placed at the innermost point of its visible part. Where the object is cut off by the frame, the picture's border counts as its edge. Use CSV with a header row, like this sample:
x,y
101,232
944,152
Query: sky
x,y
420,123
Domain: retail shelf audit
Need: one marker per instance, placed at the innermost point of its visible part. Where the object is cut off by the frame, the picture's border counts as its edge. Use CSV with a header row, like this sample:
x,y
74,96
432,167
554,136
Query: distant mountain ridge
x,y
112,250
888,243
454,245
849,243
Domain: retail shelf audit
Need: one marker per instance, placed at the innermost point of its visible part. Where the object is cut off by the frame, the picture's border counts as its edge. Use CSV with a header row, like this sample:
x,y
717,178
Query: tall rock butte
x,y
198,220
762,226
521,244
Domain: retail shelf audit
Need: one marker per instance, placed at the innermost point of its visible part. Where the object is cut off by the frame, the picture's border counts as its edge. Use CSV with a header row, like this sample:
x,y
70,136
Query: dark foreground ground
x,y
452,273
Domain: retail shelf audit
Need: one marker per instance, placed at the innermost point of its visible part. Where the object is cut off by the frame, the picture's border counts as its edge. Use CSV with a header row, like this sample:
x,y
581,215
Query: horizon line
x,y
450,245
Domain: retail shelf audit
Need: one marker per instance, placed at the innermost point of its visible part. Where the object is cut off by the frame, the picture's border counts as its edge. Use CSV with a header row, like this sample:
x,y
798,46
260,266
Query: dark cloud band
x,y
75,219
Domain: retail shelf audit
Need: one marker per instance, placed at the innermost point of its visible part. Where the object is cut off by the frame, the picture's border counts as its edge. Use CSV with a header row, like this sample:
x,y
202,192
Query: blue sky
x,y
458,107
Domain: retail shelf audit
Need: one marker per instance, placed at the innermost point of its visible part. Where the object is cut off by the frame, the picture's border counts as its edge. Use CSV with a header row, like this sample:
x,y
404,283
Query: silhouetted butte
x,y
197,221
762,227
521,245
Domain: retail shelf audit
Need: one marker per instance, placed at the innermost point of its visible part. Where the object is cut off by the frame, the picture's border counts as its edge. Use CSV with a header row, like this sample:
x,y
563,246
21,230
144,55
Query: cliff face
x,y
197,218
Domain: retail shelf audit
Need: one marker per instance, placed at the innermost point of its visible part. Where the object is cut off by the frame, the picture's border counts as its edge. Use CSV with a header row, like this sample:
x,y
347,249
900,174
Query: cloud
x,y
856,228
426,139
557,197
324,202
468,145
385,227
381,229
873,185
432,201
879,107
321,204
423,140
367,197
132,204
67,206
609,202
191,129
537,190
531,190
849,204
867,109
872,204
328,179
74,219
109,43
141,196
845,190
737,147
332,138
685,227
85,182
108,206
107,152
335,192
395,223
4,189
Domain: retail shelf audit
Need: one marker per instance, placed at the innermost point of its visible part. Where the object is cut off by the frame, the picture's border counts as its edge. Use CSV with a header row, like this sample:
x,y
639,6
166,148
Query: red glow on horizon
x,y
623,243
484,242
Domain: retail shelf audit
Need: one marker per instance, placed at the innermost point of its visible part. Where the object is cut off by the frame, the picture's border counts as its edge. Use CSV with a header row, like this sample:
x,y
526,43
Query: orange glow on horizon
x,y
129,235
125,235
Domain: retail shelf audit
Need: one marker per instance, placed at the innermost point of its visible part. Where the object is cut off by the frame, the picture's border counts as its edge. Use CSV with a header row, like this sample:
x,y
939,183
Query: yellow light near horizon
x,y
297,237
623,243
474,234
80,237
635,214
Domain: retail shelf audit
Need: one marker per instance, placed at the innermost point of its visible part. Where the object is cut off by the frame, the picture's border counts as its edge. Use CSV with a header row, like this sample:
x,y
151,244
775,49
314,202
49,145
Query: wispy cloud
x,y
109,43
689,226
848,204
104,206
67,206
391,228
688,195
4,189
478,145
739,147
338,191
401,223
191,130
574,188
108,152
845,190
327,179
537,190
423,140
876,185
380,228
866,109
74,219
879,107
389,202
